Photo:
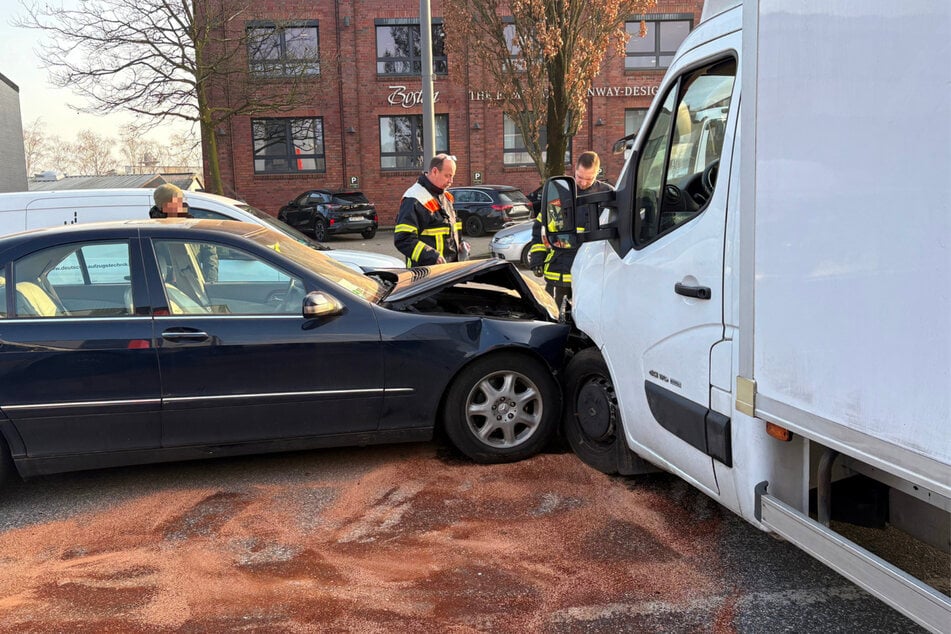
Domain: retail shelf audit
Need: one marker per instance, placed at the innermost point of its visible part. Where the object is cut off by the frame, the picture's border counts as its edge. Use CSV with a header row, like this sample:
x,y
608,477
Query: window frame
x,y
678,91
416,133
282,66
523,149
318,155
412,61
633,26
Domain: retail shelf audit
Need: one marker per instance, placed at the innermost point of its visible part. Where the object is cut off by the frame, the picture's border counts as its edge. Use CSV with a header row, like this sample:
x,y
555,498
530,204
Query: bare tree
x,y
92,153
190,60
541,56
35,145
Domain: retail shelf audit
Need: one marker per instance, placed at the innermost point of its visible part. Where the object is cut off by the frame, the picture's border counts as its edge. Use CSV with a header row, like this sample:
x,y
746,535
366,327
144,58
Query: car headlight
x,y
503,240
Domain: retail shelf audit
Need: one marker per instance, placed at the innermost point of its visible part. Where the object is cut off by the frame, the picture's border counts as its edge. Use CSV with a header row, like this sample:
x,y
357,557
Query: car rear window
x,y
513,196
350,198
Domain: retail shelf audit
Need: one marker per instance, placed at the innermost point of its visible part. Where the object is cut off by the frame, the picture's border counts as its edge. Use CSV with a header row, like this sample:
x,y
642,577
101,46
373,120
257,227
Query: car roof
x,y
485,187
114,226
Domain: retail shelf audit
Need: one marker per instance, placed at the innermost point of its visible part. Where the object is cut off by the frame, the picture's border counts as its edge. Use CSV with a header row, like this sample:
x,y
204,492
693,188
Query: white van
x,y
20,211
763,308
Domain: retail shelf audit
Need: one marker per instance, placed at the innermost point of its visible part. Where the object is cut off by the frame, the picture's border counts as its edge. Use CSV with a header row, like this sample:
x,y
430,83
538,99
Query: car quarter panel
x,y
424,352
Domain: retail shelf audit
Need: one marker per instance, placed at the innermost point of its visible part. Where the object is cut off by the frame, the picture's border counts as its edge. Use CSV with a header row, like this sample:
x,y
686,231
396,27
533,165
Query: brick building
x,y
359,131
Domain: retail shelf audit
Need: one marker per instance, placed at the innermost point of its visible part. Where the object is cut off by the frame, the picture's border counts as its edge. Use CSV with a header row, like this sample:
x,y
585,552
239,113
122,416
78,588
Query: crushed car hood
x,y
416,284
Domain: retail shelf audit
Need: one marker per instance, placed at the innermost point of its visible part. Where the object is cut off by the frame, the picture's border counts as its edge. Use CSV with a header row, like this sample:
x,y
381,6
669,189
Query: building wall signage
x,y
407,98
594,91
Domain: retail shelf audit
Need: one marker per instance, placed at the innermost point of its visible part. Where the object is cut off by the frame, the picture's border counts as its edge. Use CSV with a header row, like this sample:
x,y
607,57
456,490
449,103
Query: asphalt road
x,y
401,538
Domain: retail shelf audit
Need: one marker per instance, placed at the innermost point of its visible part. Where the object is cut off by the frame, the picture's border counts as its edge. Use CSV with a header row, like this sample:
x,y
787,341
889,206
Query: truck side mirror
x,y
558,212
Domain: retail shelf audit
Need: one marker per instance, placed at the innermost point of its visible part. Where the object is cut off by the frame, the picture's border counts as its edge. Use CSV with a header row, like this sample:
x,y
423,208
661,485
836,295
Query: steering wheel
x,y
293,296
709,178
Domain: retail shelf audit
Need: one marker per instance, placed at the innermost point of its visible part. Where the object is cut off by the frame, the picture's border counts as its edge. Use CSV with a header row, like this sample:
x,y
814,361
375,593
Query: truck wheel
x,y
592,420
502,408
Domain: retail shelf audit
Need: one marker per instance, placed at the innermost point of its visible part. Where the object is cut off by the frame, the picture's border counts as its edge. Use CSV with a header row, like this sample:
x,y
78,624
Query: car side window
x,y
678,164
462,196
481,197
246,284
74,280
198,212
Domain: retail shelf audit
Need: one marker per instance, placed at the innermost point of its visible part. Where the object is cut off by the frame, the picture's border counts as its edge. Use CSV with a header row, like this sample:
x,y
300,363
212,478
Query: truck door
x,y
663,300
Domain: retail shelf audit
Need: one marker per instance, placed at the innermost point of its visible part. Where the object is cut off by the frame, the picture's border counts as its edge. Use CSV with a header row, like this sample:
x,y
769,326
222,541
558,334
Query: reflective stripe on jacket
x,y
423,229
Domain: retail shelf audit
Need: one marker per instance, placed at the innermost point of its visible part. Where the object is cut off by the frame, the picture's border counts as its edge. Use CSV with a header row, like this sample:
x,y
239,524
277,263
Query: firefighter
x,y
427,230
555,266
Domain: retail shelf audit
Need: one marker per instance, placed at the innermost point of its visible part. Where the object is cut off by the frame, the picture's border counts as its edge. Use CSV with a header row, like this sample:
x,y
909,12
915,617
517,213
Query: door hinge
x,y
745,395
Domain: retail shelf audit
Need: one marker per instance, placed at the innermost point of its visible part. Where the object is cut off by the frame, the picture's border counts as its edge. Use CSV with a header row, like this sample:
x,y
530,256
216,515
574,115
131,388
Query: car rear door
x,y
79,369
241,364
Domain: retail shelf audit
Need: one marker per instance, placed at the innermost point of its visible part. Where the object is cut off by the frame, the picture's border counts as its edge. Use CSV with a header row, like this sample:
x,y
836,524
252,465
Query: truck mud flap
x,y
910,596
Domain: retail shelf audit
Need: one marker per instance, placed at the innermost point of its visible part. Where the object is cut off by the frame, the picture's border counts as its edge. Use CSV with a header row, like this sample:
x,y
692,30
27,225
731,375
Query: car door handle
x,y
184,334
700,292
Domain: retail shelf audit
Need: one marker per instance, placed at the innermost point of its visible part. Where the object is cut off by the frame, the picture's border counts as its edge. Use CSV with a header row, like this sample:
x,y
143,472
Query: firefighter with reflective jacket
x,y
555,266
427,231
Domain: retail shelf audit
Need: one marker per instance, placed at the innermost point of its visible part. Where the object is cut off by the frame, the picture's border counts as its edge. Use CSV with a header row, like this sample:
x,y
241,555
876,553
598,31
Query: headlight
x,y
503,240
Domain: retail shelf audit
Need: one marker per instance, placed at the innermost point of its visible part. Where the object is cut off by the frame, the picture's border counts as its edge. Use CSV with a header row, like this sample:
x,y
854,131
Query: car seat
x,y
33,301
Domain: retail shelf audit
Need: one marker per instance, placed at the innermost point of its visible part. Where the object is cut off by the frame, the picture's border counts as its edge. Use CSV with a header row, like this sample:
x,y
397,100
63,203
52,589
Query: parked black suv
x,y
483,208
323,213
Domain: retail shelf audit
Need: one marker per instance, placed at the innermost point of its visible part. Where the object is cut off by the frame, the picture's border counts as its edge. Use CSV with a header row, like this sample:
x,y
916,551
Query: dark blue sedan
x,y
118,346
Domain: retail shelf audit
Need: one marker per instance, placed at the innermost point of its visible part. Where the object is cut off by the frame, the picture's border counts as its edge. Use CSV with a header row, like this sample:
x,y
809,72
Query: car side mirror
x,y
320,304
558,212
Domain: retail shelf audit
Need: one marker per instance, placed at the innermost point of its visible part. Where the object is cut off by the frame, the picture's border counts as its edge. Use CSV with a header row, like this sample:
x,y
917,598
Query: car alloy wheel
x,y
503,407
320,230
473,226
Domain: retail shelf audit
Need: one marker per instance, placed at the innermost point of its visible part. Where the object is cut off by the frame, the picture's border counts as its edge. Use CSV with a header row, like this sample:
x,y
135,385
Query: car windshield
x,y
277,225
301,254
513,196
350,198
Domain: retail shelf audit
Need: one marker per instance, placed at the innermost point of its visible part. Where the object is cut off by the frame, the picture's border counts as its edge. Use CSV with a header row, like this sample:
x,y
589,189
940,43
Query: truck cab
x,y
750,313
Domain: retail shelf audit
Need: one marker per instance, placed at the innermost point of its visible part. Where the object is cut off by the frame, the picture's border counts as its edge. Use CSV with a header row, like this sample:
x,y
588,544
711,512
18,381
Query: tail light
x,y
504,209
332,221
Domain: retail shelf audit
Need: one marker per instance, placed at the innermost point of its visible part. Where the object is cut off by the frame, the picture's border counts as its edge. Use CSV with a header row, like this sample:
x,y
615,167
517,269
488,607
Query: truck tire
x,y
592,419
502,408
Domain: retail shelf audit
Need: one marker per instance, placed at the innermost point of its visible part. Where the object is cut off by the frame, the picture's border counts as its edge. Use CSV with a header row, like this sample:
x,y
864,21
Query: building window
x,y
514,152
656,49
283,49
398,50
401,141
633,118
287,146
515,51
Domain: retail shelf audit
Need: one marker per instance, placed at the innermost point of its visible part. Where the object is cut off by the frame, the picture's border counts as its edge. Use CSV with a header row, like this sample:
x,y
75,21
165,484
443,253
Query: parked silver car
x,y
512,243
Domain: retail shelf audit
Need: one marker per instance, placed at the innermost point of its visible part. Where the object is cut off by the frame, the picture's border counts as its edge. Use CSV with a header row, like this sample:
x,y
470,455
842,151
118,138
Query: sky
x,y
20,64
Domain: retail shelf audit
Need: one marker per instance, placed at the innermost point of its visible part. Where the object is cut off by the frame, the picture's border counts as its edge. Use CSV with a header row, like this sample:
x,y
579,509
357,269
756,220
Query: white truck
x,y
763,307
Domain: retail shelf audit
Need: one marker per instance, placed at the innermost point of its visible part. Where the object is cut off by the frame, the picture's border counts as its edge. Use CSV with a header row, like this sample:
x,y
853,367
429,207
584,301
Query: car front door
x,y
80,371
671,282
299,213
239,362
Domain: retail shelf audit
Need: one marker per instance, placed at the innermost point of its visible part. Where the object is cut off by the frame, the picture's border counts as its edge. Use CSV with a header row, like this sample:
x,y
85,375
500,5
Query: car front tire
x,y
502,408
